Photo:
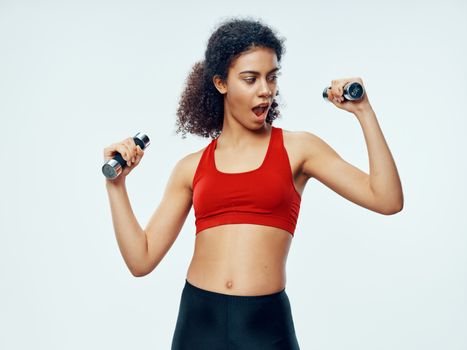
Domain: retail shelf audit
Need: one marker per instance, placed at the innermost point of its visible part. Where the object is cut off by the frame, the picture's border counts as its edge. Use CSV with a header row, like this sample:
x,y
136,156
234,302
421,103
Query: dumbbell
x,y
352,91
113,167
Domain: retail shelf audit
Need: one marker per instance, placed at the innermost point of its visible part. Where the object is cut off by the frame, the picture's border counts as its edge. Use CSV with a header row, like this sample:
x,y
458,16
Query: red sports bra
x,y
264,196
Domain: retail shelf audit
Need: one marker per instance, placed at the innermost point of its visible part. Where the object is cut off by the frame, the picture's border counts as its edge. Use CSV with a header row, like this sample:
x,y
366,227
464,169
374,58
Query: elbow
x,y
138,270
138,273
389,204
143,270
394,209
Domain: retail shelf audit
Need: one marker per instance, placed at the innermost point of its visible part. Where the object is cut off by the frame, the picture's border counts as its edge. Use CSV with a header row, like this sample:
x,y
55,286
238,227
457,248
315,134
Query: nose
x,y
265,89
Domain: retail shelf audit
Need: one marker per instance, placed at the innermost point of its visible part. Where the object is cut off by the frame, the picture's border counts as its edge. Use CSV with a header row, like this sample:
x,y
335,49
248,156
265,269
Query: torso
x,y
244,259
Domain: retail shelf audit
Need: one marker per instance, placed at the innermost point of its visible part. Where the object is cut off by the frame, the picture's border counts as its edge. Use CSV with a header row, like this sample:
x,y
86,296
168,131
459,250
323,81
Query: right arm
x,y
167,221
142,250
130,236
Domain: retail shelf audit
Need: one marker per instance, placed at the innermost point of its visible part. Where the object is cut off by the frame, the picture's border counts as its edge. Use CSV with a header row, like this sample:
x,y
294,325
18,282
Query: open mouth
x,y
260,111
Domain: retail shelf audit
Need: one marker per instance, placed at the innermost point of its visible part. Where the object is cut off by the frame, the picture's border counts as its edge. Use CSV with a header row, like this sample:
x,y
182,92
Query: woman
x,y
245,187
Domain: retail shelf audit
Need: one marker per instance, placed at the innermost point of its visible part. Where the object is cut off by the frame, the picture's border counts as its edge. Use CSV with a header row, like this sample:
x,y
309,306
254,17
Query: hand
x,y
336,92
129,151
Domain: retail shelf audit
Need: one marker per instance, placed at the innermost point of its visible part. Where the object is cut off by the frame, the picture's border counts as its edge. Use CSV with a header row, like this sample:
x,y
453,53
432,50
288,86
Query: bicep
x,y
327,166
167,221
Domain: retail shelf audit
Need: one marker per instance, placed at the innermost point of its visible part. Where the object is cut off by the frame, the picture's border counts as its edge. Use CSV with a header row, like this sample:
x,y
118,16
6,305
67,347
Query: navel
x,y
229,284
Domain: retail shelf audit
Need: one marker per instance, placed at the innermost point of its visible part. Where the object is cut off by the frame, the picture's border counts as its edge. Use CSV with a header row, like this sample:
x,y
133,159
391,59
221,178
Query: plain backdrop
x,y
76,76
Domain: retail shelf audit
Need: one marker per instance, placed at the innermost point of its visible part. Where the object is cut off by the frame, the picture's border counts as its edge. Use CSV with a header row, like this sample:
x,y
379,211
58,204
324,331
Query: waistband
x,y
233,298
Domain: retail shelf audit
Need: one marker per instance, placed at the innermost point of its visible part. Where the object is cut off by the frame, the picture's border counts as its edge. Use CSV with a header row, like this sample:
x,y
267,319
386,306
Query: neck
x,y
237,136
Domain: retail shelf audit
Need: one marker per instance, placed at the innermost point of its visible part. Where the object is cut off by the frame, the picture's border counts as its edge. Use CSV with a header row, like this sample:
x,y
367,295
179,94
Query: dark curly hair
x,y
201,106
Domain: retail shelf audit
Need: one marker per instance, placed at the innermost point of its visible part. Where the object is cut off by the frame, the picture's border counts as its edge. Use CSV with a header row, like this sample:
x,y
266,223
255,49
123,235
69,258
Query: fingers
x,y
139,154
337,90
127,148
130,145
334,97
134,152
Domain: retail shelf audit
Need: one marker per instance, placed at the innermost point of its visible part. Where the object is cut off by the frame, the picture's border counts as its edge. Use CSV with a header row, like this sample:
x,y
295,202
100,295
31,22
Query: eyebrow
x,y
257,73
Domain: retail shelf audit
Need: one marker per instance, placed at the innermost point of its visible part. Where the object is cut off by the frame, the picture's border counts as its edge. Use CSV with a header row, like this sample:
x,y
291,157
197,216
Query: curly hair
x,y
201,105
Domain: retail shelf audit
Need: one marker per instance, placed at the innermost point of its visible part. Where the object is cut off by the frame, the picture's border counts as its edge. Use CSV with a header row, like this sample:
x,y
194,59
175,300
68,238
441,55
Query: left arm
x,y
384,178
379,191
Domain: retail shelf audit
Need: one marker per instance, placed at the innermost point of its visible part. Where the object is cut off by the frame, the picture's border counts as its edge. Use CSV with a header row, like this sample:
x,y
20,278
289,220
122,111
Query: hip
x,y
217,321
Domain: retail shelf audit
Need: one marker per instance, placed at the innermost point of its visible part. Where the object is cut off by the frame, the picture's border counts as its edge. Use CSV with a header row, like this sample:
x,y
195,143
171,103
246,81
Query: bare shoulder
x,y
309,150
294,136
314,152
303,142
188,165
298,136
300,145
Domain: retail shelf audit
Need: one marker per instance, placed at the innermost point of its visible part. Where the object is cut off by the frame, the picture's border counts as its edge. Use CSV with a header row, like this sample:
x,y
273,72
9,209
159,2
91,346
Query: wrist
x,y
364,112
118,183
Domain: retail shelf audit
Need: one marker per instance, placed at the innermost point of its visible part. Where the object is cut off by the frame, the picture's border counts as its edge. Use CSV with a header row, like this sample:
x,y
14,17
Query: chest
x,y
248,161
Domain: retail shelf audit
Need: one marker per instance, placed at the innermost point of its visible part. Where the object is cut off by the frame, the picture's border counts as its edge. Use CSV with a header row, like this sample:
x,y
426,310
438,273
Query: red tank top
x,y
263,196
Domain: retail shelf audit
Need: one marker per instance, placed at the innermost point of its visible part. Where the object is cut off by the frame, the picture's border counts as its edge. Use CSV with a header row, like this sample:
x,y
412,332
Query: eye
x,y
274,77
252,80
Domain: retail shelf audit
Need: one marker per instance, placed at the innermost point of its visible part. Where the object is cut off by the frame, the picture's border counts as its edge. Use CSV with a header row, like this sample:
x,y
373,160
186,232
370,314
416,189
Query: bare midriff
x,y
240,259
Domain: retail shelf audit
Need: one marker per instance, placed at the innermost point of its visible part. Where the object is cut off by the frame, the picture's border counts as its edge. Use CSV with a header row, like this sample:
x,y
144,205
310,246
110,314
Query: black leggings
x,y
209,320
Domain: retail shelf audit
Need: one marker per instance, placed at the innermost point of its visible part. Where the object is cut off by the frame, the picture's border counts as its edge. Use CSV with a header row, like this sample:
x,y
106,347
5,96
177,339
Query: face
x,y
251,80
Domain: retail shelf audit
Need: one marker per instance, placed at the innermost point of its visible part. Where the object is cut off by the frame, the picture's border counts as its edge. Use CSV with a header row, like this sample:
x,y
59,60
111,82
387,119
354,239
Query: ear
x,y
219,84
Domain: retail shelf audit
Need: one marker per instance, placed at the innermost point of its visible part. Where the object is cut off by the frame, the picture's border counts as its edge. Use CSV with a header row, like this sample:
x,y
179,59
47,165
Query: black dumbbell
x,y
113,167
352,91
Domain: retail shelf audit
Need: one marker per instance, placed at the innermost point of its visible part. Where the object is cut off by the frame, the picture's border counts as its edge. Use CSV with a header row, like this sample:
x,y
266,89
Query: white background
x,y
76,76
